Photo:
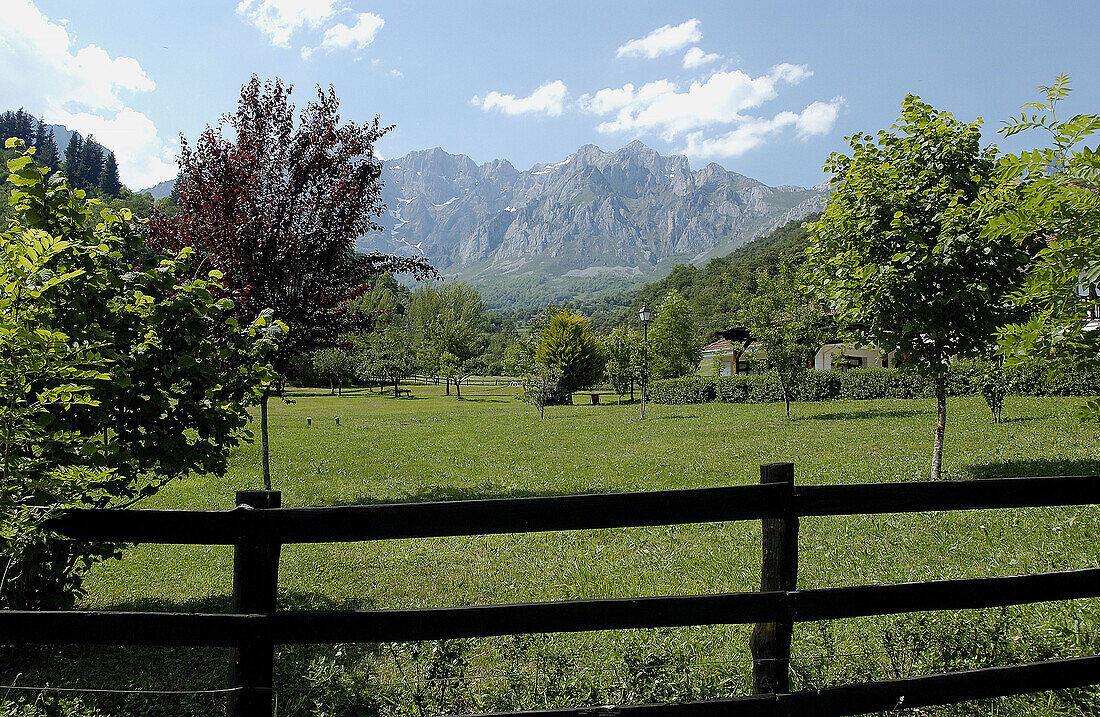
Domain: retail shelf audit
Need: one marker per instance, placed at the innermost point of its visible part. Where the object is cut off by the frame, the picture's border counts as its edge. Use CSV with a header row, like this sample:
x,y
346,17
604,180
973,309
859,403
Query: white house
x,y
723,356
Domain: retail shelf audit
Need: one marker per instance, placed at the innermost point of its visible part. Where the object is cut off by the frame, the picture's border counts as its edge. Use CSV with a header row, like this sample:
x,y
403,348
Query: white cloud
x,y
664,40
751,133
695,57
818,118
660,108
143,158
358,36
549,99
279,19
397,73
83,89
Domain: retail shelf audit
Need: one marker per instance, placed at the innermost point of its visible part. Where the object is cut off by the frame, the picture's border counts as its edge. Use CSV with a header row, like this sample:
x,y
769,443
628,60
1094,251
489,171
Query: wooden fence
x,y
259,526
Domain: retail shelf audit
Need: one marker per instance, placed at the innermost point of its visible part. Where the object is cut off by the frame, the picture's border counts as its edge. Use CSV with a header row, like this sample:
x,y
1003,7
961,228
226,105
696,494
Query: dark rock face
x,y
595,212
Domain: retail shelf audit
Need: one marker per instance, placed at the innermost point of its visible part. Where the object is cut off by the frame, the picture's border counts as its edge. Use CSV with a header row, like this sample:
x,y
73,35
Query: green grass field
x,y
436,447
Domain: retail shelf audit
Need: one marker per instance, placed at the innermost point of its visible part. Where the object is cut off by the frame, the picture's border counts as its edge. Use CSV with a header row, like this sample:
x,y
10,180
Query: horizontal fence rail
x,y
863,698
320,627
258,528
571,512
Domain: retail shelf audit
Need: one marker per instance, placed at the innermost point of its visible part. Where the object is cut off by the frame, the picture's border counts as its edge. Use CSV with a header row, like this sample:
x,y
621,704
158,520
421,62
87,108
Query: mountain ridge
x,y
623,213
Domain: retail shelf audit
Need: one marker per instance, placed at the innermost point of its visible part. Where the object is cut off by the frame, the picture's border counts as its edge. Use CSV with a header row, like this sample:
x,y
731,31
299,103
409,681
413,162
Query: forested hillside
x,y
710,289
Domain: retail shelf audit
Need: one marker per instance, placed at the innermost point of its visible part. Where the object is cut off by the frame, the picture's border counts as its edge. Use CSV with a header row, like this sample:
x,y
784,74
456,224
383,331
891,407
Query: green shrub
x,y
865,383
734,389
818,386
766,388
689,389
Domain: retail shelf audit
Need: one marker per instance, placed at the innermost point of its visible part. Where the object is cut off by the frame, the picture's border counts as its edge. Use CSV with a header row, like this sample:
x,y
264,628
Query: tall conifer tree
x,y
73,153
109,182
91,163
45,146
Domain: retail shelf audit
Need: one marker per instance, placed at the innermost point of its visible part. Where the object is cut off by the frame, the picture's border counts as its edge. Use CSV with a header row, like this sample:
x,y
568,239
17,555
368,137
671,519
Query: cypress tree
x,y
73,154
91,163
109,182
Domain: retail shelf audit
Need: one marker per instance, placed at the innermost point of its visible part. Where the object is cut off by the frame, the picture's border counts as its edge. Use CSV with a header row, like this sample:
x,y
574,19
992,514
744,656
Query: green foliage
x,y
688,389
447,319
900,251
712,290
48,704
785,323
622,348
387,357
334,365
899,247
674,346
540,386
119,374
568,343
1053,193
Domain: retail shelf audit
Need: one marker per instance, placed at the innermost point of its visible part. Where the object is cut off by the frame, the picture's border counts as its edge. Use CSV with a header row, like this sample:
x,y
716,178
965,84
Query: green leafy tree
x,y
123,370
899,248
447,319
335,364
540,385
568,343
622,347
1054,193
387,357
785,323
674,346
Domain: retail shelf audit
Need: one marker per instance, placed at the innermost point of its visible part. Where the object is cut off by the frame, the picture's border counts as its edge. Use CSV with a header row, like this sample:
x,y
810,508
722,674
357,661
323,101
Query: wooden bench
x,y
398,392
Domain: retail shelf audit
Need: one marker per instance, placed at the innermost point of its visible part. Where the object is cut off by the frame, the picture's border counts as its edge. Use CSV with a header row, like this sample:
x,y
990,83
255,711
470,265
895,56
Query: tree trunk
x,y
632,390
340,387
331,388
458,388
941,423
263,440
448,386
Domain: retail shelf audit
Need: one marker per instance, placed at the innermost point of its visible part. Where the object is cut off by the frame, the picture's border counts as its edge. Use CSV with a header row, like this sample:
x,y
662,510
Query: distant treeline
x,y
86,163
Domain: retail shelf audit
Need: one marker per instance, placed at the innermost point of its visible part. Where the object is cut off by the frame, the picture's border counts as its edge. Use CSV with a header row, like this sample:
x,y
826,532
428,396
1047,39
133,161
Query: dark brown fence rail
x,y
258,527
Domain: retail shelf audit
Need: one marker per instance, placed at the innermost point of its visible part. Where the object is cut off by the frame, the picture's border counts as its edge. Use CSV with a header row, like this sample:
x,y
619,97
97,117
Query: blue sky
x,y
767,89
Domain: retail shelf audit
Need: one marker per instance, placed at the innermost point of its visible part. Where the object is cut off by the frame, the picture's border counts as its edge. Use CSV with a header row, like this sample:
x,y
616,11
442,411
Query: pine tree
x,y
46,152
109,182
17,124
91,163
73,153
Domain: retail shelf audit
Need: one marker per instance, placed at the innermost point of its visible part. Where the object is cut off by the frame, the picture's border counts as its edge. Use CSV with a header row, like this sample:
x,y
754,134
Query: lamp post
x,y
644,316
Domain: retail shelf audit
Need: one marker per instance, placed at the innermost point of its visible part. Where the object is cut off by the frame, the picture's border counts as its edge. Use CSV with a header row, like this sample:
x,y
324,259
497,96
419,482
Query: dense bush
x,y
689,389
965,378
819,386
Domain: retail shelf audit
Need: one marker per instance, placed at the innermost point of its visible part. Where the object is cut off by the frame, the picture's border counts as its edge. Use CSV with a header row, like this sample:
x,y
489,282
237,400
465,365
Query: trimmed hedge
x,y
689,389
964,378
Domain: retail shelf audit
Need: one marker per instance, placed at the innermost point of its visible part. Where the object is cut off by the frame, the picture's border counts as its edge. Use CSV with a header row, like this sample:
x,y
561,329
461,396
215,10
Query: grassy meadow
x,y
488,444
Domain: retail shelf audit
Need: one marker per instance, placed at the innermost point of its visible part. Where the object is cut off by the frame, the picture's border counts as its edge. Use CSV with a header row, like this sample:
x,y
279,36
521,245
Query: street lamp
x,y
644,316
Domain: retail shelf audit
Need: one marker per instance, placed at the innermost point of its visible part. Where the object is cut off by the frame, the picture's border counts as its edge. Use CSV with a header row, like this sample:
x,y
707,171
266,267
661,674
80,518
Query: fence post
x,y
771,641
255,582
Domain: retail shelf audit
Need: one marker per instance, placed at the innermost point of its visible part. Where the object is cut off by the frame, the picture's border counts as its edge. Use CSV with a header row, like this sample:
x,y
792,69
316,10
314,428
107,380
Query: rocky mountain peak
x,y
624,213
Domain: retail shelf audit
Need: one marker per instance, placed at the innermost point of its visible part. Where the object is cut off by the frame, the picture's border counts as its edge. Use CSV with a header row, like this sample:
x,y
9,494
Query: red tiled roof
x,y
719,345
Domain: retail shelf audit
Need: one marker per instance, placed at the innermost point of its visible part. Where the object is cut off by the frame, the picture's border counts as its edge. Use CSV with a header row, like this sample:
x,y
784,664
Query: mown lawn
x,y
436,447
